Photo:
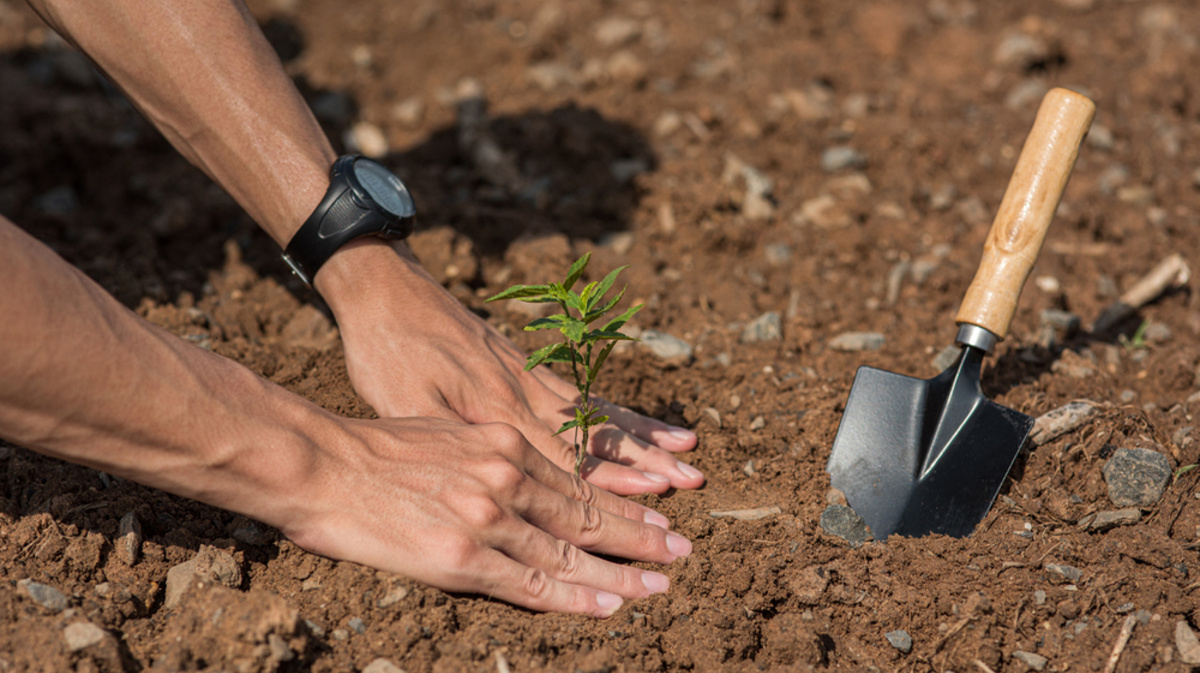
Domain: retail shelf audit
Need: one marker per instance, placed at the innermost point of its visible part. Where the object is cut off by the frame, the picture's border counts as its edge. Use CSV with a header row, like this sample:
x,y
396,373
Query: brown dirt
x,y
923,89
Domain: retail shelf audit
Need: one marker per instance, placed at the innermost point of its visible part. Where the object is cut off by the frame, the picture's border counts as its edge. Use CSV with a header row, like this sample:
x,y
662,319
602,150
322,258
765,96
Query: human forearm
x,y
84,379
203,73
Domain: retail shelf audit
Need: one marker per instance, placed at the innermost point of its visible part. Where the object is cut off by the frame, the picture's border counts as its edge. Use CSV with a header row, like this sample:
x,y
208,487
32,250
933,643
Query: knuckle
x,y
569,559
581,491
536,584
505,439
483,513
591,524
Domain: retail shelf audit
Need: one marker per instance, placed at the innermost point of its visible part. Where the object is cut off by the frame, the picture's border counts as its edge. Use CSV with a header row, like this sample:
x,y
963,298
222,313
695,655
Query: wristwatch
x,y
364,199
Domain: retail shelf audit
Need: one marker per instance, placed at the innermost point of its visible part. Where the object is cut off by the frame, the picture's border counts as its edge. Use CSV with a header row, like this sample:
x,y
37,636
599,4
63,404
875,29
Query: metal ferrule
x,y
976,337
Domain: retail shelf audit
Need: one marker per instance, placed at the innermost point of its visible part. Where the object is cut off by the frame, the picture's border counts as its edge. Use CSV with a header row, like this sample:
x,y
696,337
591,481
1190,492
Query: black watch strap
x,y
346,213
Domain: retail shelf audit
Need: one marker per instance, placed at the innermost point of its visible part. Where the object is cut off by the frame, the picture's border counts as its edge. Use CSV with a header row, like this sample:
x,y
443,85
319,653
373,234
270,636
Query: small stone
x,y
1039,597
382,665
1100,137
409,112
777,254
1158,333
617,31
1111,178
1187,643
1053,424
1025,93
1048,284
1034,662
1069,573
671,350
1073,365
209,563
625,66
713,414
357,625
813,103
44,595
758,423
315,628
667,123
850,342
1113,518
825,212
551,76
1136,477
843,522
766,327
129,539
837,158
1018,48
1062,320
900,640
946,358
620,242
58,201
753,514
368,139
82,635
280,650
392,597
625,170
339,634
1138,195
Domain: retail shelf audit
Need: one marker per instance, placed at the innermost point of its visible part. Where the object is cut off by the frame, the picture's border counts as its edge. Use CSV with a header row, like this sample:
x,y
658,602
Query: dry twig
x,y
1122,641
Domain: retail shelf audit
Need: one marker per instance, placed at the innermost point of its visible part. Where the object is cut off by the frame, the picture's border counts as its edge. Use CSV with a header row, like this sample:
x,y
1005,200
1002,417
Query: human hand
x,y
475,508
414,350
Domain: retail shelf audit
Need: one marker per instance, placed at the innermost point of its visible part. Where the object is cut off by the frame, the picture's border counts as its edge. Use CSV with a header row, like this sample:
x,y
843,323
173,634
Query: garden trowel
x,y
917,456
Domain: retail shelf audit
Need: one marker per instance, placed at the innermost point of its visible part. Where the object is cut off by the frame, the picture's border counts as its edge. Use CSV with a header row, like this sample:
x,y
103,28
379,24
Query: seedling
x,y
584,347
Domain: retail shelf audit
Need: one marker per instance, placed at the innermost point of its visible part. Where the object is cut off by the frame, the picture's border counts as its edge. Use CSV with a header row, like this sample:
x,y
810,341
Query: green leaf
x,y
573,329
596,313
604,286
573,301
545,354
567,426
600,360
576,271
597,420
601,335
549,322
585,297
520,292
619,322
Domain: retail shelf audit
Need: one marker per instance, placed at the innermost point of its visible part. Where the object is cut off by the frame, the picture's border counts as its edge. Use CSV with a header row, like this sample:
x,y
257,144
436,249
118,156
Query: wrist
x,y
365,273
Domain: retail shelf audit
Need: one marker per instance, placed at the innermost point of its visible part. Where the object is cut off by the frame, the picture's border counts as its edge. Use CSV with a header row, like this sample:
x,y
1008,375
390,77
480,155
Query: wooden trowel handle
x,y
1024,216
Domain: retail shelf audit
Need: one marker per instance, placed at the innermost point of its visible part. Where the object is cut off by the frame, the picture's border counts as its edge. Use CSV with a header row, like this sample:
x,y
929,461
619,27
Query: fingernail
x,y
656,583
608,603
655,519
678,545
680,433
688,471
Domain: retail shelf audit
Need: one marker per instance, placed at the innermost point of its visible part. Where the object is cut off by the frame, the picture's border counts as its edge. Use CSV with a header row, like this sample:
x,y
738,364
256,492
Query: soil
x,y
622,126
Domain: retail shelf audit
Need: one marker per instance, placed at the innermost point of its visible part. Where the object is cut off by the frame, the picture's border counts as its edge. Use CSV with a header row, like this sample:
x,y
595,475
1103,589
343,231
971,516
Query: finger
x,y
533,588
566,562
613,445
571,509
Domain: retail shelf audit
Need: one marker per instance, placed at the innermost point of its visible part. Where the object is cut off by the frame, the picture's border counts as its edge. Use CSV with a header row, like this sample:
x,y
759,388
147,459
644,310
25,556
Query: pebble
x,y
315,628
368,139
1112,518
1039,597
82,635
1025,93
766,327
129,539
824,211
946,358
1018,48
813,103
382,665
1100,137
1138,195
753,514
758,423
624,66
1054,424
1062,320
1069,573
1136,477
849,342
551,76
392,597
671,350
1035,662
208,563
1158,333
358,625
843,522
61,200
409,112
836,158
777,254
900,640
44,595
617,31
1187,643
757,202
620,242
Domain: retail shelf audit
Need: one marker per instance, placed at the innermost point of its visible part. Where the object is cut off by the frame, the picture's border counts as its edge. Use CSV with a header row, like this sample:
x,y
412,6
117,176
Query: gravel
x,y
900,640
82,635
1069,573
128,544
841,521
44,595
857,341
837,158
766,327
1136,477
1034,662
670,350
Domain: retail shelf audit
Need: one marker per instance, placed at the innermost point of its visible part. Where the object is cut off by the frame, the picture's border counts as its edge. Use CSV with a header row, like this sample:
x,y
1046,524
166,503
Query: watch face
x,y
385,188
